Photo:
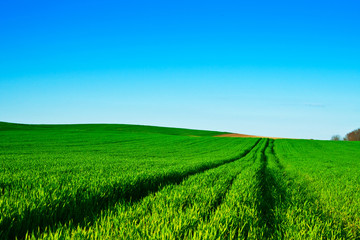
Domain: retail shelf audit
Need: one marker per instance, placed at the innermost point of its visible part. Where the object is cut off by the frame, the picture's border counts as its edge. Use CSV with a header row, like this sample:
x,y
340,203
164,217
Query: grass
x,y
126,181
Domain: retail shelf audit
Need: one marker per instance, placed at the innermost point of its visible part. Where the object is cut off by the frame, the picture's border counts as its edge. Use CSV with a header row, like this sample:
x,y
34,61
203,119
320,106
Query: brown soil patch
x,y
243,136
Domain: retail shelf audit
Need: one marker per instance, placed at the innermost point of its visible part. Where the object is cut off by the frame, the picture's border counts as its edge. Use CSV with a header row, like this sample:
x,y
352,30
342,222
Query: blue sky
x,y
273,68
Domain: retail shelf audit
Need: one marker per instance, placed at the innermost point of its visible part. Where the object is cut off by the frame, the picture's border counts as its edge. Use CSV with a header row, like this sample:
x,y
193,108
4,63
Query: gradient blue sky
x,y
273,68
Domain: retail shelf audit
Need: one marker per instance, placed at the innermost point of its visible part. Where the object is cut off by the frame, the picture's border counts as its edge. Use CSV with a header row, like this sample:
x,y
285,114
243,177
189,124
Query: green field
x,y
115,181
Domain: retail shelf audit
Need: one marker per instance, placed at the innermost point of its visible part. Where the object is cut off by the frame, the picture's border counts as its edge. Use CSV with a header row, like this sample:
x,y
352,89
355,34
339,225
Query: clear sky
x,y
272,68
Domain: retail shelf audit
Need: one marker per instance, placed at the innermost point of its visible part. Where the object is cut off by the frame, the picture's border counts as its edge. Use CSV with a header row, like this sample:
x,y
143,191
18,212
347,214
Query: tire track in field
x,y
266,201
222,198
267,183
81,212
272,193
219,201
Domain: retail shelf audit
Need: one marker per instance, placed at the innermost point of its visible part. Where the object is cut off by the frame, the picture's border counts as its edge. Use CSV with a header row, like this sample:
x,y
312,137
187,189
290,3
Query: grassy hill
x,y
6,126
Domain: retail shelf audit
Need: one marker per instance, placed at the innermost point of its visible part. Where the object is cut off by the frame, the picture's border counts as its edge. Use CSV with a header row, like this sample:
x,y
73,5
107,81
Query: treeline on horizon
x,y
351,136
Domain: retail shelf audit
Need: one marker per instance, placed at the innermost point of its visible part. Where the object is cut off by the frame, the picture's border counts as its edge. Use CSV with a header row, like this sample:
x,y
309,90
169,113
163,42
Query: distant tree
x,y
354,135
336,138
